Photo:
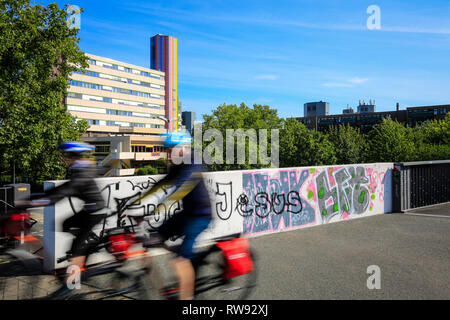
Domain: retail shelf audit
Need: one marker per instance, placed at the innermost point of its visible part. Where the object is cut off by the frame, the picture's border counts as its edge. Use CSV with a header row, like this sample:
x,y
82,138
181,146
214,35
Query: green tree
x,y
38,52
302,147
432,140
242,117
390,141
349,144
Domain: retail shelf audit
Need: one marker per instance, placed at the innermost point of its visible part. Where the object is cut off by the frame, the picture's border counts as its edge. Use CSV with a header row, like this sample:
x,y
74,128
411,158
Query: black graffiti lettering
x,y
294,201
262,205
224,206
174,208
242,203
280,203
143,185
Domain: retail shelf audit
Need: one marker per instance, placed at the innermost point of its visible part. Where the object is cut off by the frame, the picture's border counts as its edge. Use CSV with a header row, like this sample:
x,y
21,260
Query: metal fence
x,y
420,184
6,199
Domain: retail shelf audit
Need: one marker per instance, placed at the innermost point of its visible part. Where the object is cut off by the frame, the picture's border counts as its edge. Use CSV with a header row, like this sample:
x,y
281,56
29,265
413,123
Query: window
x,y
112,123
75,95
109,100
102,149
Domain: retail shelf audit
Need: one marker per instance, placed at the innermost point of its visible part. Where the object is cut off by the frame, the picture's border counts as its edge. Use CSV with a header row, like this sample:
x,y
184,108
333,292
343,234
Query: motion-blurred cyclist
x,y
196,214
81,185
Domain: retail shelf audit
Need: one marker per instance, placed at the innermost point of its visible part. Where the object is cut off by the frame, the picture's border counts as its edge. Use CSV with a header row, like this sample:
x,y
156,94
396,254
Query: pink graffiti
x,y
376,181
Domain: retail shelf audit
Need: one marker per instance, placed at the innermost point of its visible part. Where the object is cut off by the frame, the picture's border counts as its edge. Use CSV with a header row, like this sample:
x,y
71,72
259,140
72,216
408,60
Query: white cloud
x,y
358,80
266,77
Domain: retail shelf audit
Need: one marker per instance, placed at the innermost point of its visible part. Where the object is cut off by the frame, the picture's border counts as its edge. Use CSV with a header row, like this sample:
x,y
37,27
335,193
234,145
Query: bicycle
x,y
125,279
213,280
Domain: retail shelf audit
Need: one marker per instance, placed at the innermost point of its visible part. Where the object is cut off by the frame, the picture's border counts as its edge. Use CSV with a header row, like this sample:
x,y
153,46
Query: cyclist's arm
x,y
58,193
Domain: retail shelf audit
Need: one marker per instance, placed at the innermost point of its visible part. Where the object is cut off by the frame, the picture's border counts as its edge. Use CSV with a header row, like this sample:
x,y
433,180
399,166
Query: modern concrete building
x,y
316,109
128,107
118,98
121,155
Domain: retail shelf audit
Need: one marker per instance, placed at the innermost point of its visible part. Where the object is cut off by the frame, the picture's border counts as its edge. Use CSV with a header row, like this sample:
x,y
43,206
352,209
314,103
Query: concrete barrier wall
x,y
254,202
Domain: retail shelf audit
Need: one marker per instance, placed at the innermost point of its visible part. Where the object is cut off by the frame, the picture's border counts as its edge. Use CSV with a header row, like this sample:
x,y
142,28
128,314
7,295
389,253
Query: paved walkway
x,y
330,261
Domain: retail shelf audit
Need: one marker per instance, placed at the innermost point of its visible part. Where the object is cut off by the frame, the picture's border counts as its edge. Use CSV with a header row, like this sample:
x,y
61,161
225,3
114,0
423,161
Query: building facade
x,y
320,108
116,97
121,155
188,121
365,121
164,58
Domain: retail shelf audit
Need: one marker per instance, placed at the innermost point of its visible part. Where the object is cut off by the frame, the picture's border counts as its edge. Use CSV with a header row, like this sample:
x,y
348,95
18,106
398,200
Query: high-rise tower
x,y
163,51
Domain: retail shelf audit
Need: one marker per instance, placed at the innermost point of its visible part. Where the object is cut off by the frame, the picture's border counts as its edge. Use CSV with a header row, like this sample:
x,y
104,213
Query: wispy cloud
x,y
358,80
266,77
180,14
352,82
336,84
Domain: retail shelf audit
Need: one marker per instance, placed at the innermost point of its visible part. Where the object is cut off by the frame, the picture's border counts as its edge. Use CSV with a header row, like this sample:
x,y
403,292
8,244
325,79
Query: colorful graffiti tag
x,y
270,203
267,202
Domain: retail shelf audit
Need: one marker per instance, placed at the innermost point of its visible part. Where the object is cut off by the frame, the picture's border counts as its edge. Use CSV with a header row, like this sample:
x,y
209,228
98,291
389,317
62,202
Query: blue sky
x,y
284,53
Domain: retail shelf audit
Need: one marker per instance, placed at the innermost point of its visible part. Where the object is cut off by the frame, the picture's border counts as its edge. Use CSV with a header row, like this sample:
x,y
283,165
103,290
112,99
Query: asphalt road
x,y
331,261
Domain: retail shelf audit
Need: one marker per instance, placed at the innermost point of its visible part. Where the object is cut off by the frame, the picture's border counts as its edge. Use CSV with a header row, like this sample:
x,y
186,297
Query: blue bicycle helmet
x,y
173,139
76,147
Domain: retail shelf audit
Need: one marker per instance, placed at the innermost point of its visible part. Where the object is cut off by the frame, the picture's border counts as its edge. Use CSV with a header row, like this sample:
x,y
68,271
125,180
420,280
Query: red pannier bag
x,y
15,224
237,257
120,243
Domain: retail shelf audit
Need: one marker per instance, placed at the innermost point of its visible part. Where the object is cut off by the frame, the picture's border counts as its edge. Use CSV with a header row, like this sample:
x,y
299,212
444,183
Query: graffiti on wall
x,y
268,202
316,196
119,199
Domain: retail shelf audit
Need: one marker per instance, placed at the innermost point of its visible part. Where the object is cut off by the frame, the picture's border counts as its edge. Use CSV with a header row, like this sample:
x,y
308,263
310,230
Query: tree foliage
x,y
349,144
390,141
302,147
242,117
432,140
38,52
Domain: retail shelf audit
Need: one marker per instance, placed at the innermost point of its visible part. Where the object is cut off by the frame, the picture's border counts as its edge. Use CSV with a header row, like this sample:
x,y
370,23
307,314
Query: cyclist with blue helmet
x,y
81,185
196,214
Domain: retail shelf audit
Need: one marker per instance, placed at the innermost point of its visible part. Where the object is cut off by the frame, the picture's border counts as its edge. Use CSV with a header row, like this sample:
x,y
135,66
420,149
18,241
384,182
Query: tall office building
x,y
188,121
163,51
316,109
116,97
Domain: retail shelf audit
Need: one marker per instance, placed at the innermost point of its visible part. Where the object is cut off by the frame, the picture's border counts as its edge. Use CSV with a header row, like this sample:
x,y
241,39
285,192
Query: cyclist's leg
x,y
195,225
85,222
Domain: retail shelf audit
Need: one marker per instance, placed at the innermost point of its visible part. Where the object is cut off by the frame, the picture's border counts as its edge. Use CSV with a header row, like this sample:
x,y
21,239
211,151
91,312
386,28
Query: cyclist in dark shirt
x,y
196,214
81,185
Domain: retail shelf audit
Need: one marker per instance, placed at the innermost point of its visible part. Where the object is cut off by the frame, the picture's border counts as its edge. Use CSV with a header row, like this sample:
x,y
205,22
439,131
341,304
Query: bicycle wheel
x,y
210,284
128,282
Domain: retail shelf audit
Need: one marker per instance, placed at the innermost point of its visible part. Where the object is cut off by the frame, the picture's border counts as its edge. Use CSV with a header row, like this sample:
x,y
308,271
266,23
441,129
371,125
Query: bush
x,y
146,171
